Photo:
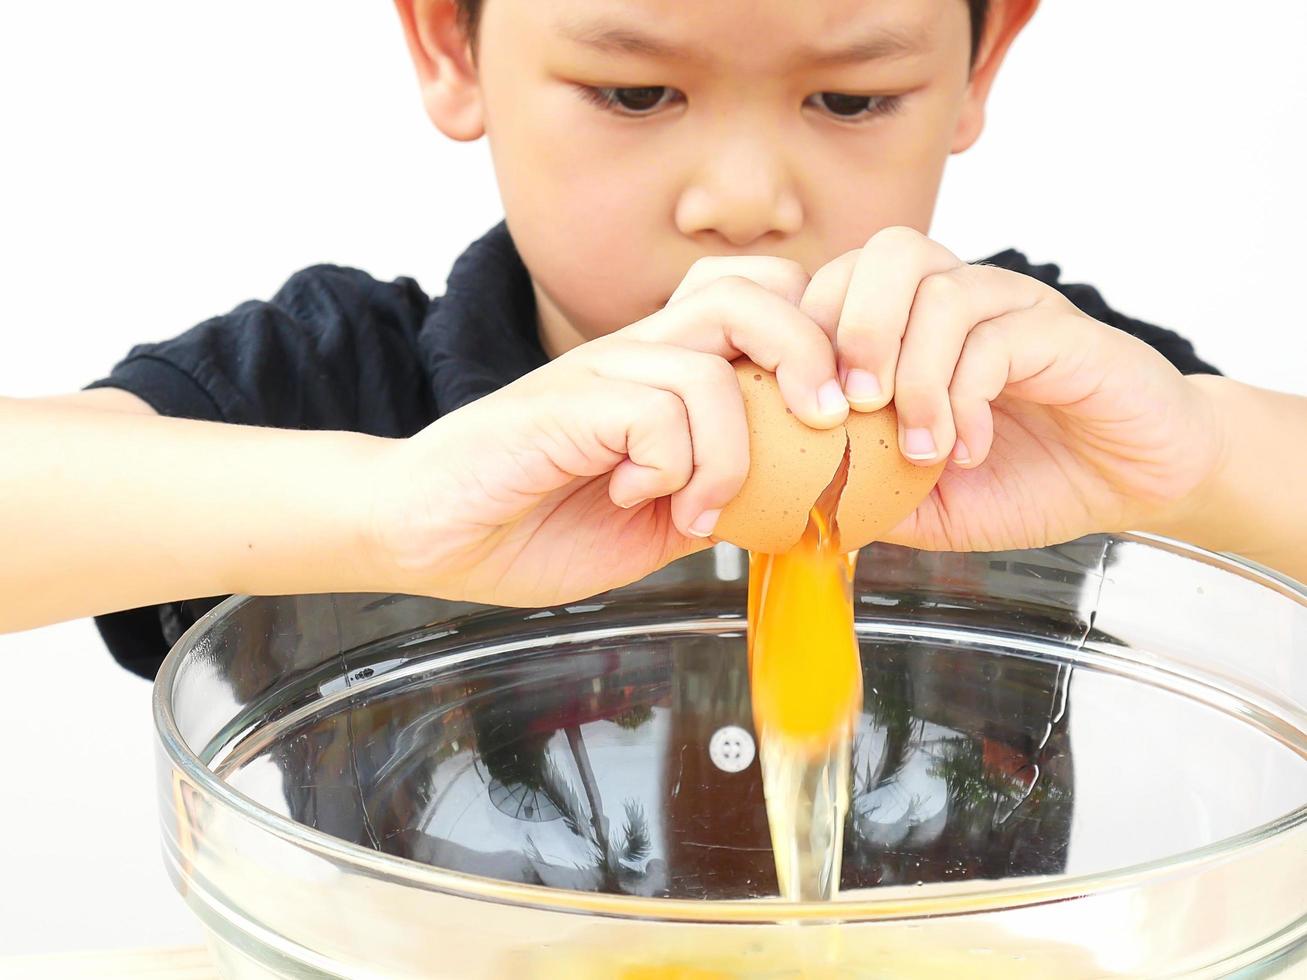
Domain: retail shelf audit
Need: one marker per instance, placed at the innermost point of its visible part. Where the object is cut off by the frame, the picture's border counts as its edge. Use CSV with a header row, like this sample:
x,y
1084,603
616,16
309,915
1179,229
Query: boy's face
x,y
630,139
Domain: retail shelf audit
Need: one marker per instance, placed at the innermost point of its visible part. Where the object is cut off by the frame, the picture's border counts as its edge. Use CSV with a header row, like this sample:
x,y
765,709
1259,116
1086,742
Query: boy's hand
x,y
612,460
1055,425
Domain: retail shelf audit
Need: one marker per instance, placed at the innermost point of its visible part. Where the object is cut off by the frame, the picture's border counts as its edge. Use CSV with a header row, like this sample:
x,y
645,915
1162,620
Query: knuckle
x,y
810,357
772,266
703,266
720,478
963,387
897,237
984,335
984,340
613,345
963,384
788,278
706,371
835,275
772,272
869,345
861,327
784,265
718,372
943,291
701,274
981,371
847,260
613,348
913,390
895,234
728,289
665,409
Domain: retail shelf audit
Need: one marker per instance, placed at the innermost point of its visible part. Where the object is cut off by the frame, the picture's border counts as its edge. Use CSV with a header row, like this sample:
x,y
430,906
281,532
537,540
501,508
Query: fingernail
x,y
918,444
961,453
704,523
862,386
830,398
634,503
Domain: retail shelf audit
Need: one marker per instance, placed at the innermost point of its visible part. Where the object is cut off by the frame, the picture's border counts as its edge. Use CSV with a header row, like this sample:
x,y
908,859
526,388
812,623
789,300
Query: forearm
x,y
104,511
1253,504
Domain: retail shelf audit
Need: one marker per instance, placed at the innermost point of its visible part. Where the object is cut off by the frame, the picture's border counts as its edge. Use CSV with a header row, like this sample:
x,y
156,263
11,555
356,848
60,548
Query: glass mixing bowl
x,y
1088,760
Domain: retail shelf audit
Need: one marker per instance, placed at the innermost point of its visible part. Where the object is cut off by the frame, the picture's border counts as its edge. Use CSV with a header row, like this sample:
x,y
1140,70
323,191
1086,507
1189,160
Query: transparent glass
x,y
1082,761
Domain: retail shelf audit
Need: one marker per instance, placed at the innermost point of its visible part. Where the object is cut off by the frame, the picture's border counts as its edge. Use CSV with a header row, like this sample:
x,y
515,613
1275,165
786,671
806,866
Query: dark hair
x,y
469,15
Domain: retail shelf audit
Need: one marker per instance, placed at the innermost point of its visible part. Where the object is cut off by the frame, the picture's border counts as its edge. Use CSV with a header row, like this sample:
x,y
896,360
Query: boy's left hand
x,y
1055,425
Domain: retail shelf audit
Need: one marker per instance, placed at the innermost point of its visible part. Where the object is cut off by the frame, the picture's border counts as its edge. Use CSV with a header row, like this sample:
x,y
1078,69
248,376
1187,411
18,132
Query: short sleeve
x,y
333,349
1088,300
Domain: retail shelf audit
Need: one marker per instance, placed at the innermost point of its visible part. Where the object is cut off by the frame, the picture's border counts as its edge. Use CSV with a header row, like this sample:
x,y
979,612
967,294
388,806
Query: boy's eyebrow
x,y
878,45
883,43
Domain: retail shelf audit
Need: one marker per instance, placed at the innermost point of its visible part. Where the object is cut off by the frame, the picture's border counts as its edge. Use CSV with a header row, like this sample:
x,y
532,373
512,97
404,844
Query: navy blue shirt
x,y
338,349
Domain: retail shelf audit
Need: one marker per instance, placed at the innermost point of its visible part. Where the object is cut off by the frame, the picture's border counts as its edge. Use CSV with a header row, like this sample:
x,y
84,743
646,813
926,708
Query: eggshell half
x,y
883,487
790,464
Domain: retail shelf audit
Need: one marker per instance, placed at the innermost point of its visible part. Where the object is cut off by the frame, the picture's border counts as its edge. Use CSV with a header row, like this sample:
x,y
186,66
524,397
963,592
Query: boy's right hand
x,y
610,461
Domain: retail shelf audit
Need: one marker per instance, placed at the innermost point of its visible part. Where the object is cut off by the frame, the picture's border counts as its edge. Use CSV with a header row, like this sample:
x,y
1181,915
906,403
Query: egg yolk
x,y
804,670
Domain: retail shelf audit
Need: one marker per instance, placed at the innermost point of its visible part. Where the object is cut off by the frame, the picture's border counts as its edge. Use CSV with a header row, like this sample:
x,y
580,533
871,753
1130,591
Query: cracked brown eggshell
x,y
791,464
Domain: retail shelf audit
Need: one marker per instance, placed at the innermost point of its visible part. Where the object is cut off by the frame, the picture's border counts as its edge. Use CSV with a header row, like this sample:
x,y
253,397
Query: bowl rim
x,y
896,902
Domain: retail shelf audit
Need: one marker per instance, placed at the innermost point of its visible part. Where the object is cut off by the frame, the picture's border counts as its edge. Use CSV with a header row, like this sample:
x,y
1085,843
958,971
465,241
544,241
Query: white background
x,y
165,159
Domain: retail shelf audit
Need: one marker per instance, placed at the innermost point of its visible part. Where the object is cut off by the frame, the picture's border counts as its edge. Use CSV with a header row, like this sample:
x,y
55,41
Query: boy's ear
x,y
1002,24
447,76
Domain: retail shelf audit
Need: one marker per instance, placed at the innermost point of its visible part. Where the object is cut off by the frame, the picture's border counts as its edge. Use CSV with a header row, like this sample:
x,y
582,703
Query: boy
x,y
683,184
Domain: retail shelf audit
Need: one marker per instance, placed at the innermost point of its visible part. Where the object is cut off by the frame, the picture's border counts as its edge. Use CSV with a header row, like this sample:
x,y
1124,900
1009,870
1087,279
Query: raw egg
x,y
812,498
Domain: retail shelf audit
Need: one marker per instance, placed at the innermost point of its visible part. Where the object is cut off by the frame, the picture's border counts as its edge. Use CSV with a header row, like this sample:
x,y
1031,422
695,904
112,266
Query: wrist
x,y
369,476
308,524
410,542
1192,516
1250,503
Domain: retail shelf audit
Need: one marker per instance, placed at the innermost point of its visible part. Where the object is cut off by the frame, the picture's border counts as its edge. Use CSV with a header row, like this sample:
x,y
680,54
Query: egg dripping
x,y
812,498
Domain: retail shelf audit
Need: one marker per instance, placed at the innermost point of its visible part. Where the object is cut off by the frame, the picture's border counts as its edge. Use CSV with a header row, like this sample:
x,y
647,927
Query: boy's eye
x,y
852,106
644,100
639,101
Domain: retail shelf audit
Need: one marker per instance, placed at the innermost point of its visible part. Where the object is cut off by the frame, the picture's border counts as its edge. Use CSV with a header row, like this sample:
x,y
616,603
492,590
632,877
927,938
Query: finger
x,y
734,316
875,310
823,299
632,484
784,277
1034,354
706,386
945,309
1062,357
657,444
981,376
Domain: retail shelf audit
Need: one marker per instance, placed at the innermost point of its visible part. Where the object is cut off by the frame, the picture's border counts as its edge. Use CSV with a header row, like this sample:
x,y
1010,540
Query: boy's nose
x,y
742,194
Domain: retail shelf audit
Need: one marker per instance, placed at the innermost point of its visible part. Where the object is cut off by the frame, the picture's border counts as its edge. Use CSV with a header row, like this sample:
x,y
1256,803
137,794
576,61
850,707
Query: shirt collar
x,y
482,334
